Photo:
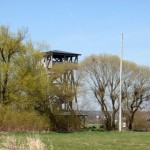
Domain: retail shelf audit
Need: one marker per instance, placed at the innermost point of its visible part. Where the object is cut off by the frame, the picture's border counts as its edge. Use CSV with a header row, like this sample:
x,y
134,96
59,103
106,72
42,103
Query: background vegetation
x,y
29,93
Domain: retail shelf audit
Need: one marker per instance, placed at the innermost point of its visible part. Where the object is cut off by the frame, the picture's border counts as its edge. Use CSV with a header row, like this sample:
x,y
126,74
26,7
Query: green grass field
x,y
93,140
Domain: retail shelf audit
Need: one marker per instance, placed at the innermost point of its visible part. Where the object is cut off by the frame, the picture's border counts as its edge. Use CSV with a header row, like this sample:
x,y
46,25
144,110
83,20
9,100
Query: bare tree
x,y
137,90
102,76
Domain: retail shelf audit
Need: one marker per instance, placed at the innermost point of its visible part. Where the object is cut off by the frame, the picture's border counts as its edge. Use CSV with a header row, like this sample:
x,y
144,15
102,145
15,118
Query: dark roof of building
x,y
59,52
69,114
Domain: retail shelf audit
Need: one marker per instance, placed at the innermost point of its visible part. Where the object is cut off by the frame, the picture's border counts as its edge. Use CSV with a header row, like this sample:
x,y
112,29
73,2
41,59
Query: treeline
x,y
102,78
28,94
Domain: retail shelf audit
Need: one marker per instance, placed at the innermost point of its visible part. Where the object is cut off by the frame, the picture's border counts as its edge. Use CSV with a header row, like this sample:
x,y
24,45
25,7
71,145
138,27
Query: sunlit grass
x,y
90,140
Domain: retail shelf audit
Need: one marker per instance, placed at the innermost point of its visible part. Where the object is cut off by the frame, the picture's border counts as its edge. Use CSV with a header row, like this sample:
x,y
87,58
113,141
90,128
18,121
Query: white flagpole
x,y
120,99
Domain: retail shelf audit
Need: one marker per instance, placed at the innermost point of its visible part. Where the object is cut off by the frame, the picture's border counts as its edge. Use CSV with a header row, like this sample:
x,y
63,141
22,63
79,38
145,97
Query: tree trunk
x,y
53,121
130,125
113,118
4,89
113,121
108,124
107,118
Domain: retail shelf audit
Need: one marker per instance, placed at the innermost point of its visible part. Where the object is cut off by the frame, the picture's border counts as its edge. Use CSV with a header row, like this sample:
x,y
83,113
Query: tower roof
x,y
59,53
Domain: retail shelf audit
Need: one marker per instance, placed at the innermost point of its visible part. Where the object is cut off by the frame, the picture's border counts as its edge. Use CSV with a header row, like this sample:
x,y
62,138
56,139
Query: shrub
x,y
68,123
140,122
14,120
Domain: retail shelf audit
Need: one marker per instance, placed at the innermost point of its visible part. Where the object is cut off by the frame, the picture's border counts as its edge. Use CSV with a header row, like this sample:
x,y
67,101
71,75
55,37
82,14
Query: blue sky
x,y
84,26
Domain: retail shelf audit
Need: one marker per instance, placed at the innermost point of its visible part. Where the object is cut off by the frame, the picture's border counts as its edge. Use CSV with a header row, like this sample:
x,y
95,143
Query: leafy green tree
x,y
11,48
19,72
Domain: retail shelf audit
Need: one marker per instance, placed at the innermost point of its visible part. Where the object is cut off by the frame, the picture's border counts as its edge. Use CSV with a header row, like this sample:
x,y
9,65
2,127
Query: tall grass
x,y
13,143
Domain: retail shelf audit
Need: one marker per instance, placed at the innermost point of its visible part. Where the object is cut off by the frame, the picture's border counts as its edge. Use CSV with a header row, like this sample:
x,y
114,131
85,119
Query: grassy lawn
x,y
93,140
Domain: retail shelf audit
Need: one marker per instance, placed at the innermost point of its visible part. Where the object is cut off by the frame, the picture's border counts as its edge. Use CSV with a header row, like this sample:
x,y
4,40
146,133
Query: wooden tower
x,y
54,57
